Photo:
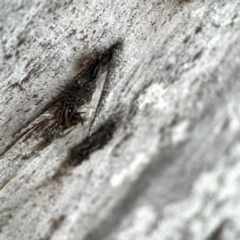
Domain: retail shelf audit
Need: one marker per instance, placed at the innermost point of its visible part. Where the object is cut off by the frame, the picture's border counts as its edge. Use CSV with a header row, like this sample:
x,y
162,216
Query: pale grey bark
x,y
171,170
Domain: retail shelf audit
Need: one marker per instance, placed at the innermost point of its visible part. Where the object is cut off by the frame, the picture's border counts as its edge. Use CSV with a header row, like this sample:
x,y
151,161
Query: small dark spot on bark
x,y
198,29
197,55
20,41
168,67
216,234
72,32
16,85
68,2
25,157
7,56
27,110
186,39
56,223
38,102
29,62
25,79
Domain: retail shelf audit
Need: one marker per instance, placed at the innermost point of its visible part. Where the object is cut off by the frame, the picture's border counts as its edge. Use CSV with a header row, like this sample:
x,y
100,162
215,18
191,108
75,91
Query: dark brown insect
x,y
64,108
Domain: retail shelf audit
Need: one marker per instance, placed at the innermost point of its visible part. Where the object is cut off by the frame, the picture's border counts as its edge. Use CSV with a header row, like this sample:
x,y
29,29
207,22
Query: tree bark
x,y
161,161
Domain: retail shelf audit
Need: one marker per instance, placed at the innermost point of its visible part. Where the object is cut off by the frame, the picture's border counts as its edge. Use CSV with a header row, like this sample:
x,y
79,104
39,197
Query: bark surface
x,y
163,158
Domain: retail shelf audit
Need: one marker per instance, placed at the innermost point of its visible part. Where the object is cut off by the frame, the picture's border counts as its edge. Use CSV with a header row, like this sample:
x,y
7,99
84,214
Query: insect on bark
x,y
63,110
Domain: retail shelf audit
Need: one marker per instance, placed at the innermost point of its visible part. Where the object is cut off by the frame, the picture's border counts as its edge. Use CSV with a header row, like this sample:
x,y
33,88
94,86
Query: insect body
x,y
64,108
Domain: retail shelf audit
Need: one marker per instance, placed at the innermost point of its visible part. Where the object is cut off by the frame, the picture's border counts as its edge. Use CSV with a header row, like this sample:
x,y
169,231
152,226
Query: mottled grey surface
x,y
172,169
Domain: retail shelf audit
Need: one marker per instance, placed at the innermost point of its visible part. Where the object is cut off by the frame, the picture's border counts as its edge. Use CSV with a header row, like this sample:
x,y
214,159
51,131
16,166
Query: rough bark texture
x,y
168,168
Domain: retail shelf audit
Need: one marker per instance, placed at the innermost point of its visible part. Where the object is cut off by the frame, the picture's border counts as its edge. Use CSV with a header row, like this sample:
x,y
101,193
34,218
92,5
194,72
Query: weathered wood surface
x,y
171,169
